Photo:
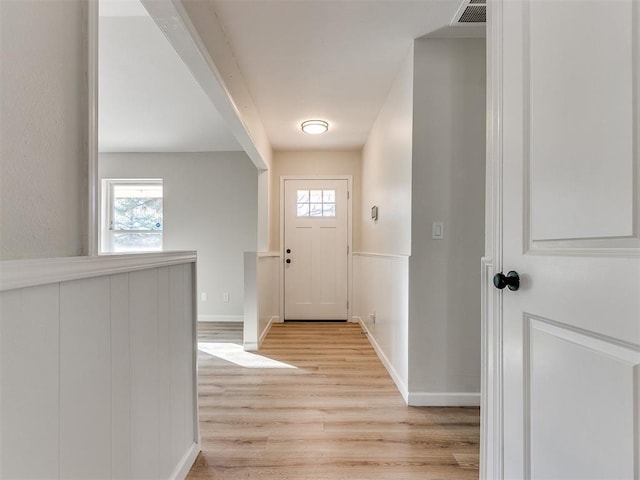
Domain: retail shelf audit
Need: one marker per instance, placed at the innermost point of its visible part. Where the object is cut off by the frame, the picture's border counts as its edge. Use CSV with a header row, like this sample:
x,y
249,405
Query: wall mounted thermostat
x,y
374,213
437,230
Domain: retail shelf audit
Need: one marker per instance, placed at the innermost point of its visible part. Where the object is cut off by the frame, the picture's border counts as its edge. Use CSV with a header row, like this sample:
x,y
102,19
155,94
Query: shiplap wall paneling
x,y
164,373
179,371
143,305
121,378
85,379
97,377
29,394
190,379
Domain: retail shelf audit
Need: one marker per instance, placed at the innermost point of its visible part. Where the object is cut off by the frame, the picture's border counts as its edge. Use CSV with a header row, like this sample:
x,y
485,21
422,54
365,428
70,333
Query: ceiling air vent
x,y
471,12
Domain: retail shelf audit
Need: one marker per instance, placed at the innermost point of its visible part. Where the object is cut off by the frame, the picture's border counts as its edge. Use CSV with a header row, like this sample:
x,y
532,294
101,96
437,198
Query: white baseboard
x,y
266,330
251,346
445,399
421,399
255,346
402,387
221,318
182,469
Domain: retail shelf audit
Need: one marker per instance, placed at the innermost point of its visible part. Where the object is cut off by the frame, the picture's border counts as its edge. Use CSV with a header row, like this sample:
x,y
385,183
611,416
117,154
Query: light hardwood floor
x,y
330,412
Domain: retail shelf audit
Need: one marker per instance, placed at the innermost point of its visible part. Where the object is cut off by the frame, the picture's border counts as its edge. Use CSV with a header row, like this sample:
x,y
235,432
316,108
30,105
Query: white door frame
x,y
349,179
491,419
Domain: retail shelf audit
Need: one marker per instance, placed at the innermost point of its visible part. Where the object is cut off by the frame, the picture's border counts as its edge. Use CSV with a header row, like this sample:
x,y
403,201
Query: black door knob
x,y
511,280
288,250
288,260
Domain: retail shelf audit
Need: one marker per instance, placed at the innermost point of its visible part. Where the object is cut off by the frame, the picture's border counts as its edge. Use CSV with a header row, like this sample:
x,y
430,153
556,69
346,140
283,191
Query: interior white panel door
x,y
315,249
571,333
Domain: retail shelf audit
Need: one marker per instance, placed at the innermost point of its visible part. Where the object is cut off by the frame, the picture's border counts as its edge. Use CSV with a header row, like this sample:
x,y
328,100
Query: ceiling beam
x,y
195,32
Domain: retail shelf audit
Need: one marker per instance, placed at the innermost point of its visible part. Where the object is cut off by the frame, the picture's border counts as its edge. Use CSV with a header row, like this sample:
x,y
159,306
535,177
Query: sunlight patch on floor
x,y
234,353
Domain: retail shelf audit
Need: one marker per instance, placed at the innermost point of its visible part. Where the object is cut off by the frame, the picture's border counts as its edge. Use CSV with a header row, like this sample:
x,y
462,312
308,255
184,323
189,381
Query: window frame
x,y
107,231
322,203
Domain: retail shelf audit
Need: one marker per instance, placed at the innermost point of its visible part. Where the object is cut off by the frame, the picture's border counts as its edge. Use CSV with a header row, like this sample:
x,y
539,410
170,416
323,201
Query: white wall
x,y
169,114
381,273
386,171
268,292
210,205
43,124
313,163
381,288
448,186
262,296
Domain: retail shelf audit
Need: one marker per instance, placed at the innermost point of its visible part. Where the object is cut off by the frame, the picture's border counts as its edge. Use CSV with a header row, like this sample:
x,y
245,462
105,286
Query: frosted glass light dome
x,y
315,127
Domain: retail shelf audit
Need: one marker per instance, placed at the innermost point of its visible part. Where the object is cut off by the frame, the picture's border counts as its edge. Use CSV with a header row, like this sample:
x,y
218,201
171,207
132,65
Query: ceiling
x,y
330,59
148,99
301,59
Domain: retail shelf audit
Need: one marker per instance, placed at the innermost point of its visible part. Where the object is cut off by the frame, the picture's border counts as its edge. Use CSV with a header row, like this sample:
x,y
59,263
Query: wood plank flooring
x,y
328,410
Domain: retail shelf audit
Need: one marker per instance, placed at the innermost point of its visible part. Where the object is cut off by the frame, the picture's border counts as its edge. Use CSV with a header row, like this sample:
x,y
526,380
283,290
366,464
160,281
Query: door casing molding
x,y
491,410
349,179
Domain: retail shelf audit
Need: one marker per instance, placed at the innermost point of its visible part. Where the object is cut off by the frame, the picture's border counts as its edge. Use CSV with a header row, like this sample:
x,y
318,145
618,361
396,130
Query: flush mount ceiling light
x,y
315,127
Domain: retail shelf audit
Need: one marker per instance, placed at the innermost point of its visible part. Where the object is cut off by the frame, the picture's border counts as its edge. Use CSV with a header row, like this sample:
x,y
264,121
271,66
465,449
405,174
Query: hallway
x,y
316,403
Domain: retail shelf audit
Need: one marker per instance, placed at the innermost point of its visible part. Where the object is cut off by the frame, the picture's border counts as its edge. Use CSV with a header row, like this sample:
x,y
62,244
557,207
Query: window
x,y
316,203
133,215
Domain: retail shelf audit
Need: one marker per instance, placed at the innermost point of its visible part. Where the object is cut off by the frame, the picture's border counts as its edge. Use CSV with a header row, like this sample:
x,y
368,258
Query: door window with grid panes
x,y
316,203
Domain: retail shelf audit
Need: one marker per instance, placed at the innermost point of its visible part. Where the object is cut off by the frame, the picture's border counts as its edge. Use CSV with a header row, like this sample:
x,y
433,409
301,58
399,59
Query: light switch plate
x,y
437,230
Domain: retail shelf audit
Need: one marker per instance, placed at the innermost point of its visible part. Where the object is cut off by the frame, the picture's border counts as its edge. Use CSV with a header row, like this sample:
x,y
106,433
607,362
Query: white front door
x,y
570,205
315,249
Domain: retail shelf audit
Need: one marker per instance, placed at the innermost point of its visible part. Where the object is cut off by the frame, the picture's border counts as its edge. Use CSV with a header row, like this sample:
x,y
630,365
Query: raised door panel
x,y
582,403
299,273
580,110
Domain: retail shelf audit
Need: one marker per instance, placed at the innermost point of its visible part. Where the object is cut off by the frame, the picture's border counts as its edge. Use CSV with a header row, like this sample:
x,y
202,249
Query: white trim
x,y
176,25
397,379
186,462
623,352
382,255
42,271
266,330
93,221
445,399
491,411
349,179
268,254
221,318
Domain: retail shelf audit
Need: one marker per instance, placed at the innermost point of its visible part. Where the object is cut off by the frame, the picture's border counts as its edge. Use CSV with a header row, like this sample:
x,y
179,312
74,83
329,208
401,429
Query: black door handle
x,y
288,260
511,280
288,250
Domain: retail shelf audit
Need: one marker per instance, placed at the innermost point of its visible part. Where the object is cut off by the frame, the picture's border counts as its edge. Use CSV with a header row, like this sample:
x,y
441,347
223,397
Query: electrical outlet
x,y
203,296
225,297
